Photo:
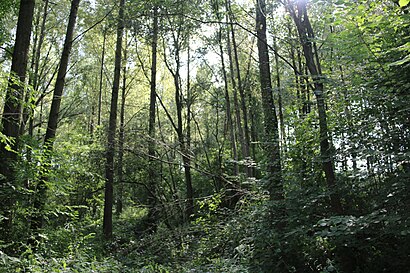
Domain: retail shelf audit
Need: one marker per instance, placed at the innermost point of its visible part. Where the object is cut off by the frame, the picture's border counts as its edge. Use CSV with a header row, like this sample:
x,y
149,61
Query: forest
x,y
166,136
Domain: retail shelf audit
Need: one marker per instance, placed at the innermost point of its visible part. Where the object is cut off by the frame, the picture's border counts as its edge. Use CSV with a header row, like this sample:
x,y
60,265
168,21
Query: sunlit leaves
x,y
404,3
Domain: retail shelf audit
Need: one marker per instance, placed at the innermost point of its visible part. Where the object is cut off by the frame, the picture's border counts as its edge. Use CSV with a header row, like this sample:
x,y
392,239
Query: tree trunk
x,y
121,135
59,87
230,126
271,142
179,101
185,157
28,94
229,123
237,109
247,140
40,198
152,171
109,167
245,130
37,61
280,104
187,152
35,64
100,90
12,110
306,36
253,138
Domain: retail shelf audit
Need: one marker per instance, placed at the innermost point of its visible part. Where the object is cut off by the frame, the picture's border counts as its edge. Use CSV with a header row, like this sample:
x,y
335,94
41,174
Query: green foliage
x,y
8,8
78,262
403,3
364,50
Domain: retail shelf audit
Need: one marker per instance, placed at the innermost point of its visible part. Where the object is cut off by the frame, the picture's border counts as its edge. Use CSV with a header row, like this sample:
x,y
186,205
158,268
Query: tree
x,y
34,69
180,34
242,112
110,150
152,218
62,72
229,126
121,134
40,197
306,36
101,78
12,109
271,138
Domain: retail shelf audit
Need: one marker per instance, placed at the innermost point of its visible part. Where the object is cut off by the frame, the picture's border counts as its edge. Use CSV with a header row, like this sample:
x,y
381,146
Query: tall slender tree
x,y
180,38
39,200
101,80
243,113
62,71
271,141
110,149
152,172
121,135
239,136
229,125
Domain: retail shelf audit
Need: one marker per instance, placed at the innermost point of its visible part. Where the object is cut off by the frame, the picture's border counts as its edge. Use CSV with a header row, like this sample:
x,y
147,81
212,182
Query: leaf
x,y
403,3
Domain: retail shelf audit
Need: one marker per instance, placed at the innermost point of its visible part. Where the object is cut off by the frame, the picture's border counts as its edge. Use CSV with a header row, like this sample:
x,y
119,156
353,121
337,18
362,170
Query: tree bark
x,y
36,75
181,139
35,64
121,135
109,167
59,87
271,142
12,110
100,90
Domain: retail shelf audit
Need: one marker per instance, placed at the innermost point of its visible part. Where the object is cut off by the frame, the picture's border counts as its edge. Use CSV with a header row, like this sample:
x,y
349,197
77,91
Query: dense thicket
x,y
237,136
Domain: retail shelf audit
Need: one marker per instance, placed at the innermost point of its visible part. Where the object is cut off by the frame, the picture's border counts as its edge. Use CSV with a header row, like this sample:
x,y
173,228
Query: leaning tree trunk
x,y
62,71
271,142
12,108
306,36
39,200
109,167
